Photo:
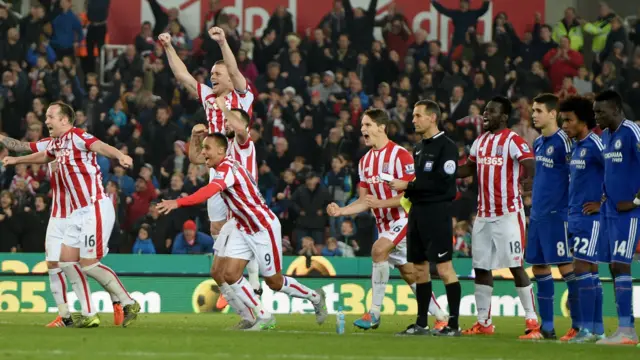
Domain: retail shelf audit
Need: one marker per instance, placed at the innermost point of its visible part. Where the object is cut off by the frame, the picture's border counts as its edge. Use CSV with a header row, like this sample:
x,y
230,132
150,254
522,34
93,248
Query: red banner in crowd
x,y
126,16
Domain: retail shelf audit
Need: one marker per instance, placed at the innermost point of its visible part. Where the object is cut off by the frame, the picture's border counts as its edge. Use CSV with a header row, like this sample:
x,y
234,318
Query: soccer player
x,y
86,237
585,191
548,243
230,85
621,139
257,231
498,157
385,158
60,211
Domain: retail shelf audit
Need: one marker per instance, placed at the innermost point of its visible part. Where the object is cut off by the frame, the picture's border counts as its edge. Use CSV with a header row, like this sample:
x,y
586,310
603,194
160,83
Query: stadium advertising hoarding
x,y
253,15
180,283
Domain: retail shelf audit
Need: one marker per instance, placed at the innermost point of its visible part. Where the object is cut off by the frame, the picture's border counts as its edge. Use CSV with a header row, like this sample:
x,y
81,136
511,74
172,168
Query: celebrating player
x,y
384,162
621,139
585,191
548,243
85,238
229,90
498,157
257,232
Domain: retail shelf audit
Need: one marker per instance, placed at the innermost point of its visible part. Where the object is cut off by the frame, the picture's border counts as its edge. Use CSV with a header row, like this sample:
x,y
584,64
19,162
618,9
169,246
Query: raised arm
x,y
238,80
109,151
234,121
178,68
15,145
37,158
195,144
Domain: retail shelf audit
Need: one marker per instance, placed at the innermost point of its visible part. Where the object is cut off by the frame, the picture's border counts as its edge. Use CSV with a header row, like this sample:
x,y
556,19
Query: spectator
x,y
327,88
462,239
542,39
583,81
600,30
567,89
347,236
308,249
38,220
331,249
144,244
282,22
338,183
570,27
617,38
32,25
608,78
191,241
139,201
462,19
335,22
310,202
360,24
562,62
145,42
9,223
67,30
396,36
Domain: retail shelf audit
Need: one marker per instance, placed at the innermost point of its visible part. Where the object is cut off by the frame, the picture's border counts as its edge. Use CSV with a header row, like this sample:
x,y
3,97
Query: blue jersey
x,y
587,173
621,166
551,181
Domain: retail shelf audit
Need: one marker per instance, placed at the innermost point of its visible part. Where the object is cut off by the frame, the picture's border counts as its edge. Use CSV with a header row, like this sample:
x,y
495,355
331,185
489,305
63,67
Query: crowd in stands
x,y
311,90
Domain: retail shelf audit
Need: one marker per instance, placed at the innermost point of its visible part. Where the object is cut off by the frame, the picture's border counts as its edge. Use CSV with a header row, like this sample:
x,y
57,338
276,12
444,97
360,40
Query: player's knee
x,y
580,267
275,282
379,252
217,274
541,269
69,254
619,269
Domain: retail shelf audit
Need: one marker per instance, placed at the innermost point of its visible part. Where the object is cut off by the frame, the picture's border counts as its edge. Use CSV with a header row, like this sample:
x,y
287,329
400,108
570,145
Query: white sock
x,y
109,281
236,304
483,303
436,310
253,273
80,286
293,288
58,288
243,291
528,302
379,280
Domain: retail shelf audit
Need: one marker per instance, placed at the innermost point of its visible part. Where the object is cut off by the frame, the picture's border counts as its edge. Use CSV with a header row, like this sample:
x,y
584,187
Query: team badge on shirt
x,y
385,168
428,166
618,144
583,152
550,150
499,150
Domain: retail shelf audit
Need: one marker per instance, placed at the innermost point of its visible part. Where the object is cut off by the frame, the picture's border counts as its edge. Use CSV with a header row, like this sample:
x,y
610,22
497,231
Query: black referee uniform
x,y
430,230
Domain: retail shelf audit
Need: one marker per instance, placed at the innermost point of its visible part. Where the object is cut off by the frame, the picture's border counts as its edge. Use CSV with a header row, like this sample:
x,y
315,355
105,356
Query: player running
x,y
498,157
585,191
60,211
85,237
230,86
257,234
621,139
548,243
384,162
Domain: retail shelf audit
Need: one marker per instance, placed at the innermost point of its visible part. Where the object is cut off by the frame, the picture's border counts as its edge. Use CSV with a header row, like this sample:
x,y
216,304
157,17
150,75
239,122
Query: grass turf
x,y
191,336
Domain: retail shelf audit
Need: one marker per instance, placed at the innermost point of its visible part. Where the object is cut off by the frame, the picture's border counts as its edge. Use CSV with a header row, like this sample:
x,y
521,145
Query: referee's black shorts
x,y
430,233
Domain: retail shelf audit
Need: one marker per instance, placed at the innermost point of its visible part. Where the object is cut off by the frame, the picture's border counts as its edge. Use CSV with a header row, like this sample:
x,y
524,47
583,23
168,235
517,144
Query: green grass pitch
x,y
207,336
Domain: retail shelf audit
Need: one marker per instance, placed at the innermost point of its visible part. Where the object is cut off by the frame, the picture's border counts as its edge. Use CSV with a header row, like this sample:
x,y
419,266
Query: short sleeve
x,y
204,92
224,176
49,150
246,100
363,179
473,153
635,141
519,150
83,139
405,169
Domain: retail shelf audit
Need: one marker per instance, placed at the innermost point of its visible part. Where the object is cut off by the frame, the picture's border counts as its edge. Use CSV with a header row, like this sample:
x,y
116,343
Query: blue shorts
x,y
623,237
547,243
584,234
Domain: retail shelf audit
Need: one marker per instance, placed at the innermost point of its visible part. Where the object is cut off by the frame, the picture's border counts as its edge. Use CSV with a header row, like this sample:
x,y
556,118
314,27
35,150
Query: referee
x,y
430,234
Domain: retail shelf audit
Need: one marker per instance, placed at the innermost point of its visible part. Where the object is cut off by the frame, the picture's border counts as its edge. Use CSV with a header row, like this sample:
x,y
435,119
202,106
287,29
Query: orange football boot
x,y
221,303
60,322
118,314
479,329
569,335
439,325
530,325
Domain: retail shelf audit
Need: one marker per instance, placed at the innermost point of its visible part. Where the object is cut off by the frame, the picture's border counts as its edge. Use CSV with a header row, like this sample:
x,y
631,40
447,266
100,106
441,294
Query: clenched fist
x,y
199,130
217,34
165,39
333,210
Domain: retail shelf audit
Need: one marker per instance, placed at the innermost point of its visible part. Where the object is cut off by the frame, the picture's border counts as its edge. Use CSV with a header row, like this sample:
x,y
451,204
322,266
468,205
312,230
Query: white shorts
x,y
224,237
397,233
90,229
216,207
264,246
498,242
53,239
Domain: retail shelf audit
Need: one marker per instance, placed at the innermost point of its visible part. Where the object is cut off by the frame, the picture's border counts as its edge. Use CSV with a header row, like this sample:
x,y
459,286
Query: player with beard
x,y
498,157
385,161
229,90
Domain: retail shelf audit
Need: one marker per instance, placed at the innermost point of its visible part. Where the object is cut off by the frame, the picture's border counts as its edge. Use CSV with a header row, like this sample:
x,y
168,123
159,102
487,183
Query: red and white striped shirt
x,y
234,99
78,169
393,160
241,195
497,158
60,198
